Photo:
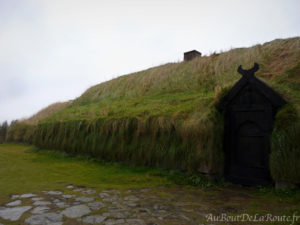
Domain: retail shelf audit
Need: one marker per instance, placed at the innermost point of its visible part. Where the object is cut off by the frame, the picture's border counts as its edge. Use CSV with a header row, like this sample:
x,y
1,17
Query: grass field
x,y
22,170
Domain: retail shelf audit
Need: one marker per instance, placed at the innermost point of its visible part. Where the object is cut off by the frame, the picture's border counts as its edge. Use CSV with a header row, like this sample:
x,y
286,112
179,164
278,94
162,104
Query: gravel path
x,y
77,205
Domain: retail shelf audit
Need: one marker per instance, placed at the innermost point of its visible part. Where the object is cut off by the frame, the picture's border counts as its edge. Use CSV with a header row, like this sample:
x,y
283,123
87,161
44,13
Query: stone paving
x,y
79,205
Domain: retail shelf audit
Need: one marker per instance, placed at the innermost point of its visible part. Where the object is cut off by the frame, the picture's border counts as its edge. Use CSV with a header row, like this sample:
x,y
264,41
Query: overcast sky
x,y
53,50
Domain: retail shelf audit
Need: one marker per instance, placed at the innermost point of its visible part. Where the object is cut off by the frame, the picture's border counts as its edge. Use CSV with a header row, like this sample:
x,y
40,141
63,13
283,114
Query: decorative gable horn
x,y
248,73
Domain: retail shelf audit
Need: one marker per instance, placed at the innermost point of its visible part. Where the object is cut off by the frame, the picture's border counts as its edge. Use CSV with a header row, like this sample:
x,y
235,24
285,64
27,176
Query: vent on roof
x,y
191,55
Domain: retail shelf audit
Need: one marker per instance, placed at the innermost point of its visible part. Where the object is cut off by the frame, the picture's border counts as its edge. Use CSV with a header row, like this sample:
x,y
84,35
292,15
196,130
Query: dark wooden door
x,y
248,145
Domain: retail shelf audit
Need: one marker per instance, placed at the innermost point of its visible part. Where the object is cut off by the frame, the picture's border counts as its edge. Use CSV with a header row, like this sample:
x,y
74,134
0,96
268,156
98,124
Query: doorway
x,y
247,145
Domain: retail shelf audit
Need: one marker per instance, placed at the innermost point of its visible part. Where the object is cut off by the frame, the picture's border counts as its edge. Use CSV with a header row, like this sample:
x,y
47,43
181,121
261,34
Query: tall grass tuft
x,y
285,155
156,141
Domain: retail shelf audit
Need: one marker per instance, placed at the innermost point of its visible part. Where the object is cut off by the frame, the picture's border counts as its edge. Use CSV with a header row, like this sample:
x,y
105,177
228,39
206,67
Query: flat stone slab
x,y
13,214
119,215
70,186
78,189
14,203
96,205
39,210
41,203
14,197
45,219
143,210
76,211
104,195
55,200
62,205
68,196
113,222
53,192
131,198
29,195
135,222
89,192
84,199
131,204
76,203
115,192
94,219
37,199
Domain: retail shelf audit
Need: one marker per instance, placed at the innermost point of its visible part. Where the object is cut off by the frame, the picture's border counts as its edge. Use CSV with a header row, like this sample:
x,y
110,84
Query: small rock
x,y
135,222
143,210
76,211
78,189
143,196
123,207
29,195
13,214
284,185
54,192
84,199
68,196
103,195
158,207
131,198
94,219
162,211
115,192
62,205
205,224
45,219
39,209
131,204
41,203
76,203
89,192
15,197
96,205
56,200
70,186
14,203
184,217
106,214
112,199
118,215
37,199
113,222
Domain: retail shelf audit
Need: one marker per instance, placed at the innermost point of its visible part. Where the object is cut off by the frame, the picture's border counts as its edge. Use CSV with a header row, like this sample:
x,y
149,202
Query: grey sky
x,y
53,50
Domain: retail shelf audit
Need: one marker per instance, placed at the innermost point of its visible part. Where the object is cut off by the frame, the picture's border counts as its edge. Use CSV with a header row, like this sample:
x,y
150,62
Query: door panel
x,y
248,146
249,151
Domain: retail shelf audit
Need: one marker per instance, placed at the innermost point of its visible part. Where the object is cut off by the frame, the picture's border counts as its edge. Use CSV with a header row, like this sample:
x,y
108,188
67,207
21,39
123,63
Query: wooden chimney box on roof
x,y
191,55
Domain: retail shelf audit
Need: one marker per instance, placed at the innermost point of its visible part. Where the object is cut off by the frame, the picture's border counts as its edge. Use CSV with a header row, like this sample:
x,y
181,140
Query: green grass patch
x,y
24,170
165,104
